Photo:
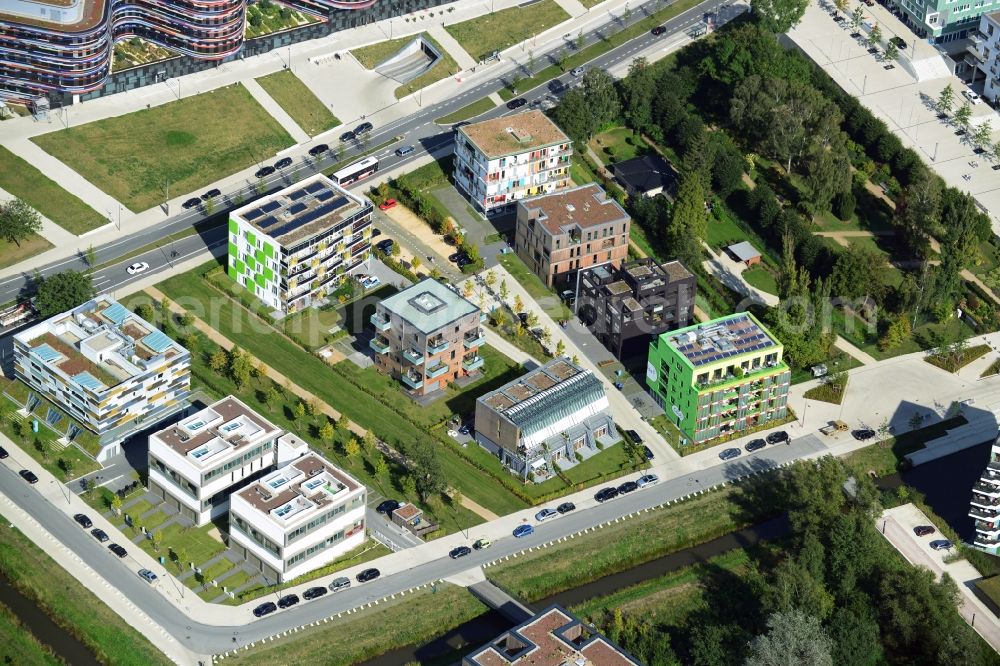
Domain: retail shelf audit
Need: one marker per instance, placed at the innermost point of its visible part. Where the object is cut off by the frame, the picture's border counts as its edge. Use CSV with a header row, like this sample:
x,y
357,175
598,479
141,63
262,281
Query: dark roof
x,y
645,173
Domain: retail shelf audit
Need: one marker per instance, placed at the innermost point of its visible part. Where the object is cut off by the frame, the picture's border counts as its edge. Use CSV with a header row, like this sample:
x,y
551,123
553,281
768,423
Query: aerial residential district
x,y
500,332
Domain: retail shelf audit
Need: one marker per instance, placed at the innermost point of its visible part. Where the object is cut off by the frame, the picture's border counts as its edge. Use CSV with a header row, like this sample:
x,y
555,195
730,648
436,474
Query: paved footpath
x,y
278,113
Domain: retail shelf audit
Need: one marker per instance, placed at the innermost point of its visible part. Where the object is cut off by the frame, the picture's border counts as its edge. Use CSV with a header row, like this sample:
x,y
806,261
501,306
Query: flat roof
x,y
510,135
533,383
300,489
301,210
584,206
63,15
99,344
428,305
743,250
554,637
208,436
719,339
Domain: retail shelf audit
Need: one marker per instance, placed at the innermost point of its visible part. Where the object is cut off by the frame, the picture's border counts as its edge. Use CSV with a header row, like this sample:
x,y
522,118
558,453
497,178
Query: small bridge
x,y
498,600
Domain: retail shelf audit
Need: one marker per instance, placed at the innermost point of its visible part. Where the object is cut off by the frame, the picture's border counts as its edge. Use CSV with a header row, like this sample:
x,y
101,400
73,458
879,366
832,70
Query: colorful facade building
x,y
502,160
720,377
106,367
294,247
427,336
569,230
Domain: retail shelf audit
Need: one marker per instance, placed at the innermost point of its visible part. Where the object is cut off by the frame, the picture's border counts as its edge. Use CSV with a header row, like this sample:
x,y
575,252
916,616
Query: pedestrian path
x,y
276,111
51,231
451,45
845,346
573,7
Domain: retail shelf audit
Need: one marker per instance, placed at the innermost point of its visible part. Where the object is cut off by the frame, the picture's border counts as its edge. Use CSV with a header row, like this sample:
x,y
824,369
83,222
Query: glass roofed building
x,y
109,369
292,248
554,415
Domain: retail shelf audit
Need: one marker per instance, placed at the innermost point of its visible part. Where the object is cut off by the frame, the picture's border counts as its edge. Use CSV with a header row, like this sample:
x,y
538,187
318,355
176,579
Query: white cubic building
x,y
197,463
298,518
986,54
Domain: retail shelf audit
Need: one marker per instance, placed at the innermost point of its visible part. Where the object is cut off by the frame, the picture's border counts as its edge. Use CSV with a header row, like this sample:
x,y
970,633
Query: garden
x,y
299,102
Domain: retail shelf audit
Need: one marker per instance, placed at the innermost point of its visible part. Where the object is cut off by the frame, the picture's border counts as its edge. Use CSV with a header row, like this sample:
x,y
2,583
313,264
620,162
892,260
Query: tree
x,y
62,291
896,334
42,447
560,348
841,5
689,214
827,172
601,97
415,263
18,220
518,303
793,588
857,273
145,311
503,290
116,504
891,51
531,62
352,448
574,117
326,432
300,410
982,136
90,256
963,116
343,423
157,539
779,16
946,100
792,638
368,440
490,278
240,367
874,37
381,467
580,40
857,16
218,361
427,471
472,250
271,397
996,151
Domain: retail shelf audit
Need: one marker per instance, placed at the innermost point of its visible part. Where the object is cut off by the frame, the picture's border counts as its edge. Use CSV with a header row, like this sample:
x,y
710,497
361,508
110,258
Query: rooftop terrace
x,y
720,339
222,428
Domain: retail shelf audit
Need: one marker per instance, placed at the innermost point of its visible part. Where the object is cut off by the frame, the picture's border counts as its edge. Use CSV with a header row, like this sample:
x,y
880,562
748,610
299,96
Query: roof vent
x,y
570,208
519,135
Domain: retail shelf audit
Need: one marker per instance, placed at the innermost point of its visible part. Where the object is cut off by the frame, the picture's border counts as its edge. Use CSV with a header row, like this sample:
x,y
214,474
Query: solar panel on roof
x,y
297,208
157,341
270,206
253,214
304,219
116,313
313,188
339,201
297,194
87,380
267,221
46,352
324,195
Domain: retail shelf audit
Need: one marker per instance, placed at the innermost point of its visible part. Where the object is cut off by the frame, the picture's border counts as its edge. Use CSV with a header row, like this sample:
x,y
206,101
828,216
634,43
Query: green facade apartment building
x,y
719,377
292,248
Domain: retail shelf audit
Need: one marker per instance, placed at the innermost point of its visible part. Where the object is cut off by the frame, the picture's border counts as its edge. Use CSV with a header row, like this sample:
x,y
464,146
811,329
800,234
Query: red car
x,y
387,204
923,530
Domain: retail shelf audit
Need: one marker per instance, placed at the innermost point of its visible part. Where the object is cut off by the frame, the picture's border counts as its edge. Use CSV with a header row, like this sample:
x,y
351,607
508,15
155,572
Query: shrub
x,y
844,205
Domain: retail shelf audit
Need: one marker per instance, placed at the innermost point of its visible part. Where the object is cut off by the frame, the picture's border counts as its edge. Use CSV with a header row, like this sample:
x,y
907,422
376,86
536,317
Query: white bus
x,y
357,171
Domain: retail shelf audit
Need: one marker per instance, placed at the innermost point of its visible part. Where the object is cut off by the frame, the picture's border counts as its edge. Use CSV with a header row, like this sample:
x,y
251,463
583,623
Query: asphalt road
x,y
210,639
418,130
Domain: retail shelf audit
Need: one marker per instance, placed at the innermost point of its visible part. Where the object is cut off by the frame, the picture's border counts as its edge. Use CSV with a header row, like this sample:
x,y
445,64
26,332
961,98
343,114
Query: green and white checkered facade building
x,y
294,247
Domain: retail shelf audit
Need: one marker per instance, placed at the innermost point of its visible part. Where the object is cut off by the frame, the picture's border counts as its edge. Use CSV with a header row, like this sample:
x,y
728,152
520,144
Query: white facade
x,y
197,463
985,506
987,41
298,518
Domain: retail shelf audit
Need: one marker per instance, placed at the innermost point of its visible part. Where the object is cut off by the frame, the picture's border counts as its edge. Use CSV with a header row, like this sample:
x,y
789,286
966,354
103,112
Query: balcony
x,y
991,489
413,356
437,370
988,528
437,345
474,339
380,322
380,345
986,542
411,379
471,363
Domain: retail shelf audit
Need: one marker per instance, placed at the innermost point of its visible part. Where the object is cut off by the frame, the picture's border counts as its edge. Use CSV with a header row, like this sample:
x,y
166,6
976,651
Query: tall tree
x,y
62,291
573,116
982,136
18,220
857,273
792,638
827,172
240,367
919,211
946,100
601,97
689,214
963,116
779,15
637,91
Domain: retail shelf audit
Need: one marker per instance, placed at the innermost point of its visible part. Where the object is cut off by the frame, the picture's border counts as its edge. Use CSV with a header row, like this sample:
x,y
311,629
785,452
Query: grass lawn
x,y
545,297
11,253
857,332
478,107
621,546
19,646
883,457
991,588
832,390
955,362
724,231
483,35
22,180
65,464
189,143
581,173
299,102
618,144
373,55
410,619
762,278
590,3
993,369
837,362
73,606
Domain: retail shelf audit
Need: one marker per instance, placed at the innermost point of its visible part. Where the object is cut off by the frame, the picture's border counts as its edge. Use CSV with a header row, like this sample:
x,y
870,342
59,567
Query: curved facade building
x,y
66,46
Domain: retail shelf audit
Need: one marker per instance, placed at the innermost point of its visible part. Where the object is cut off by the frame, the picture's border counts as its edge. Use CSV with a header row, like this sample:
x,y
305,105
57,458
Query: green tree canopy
x,y
779,15
18,220
62,291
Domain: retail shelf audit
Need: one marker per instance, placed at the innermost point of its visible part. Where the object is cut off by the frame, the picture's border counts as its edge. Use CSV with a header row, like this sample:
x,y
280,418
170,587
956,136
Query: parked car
x,y
347,137
755,445
147,575
863,434
117,550
628,487
283,163
340,583
566,507
387,507
3,453
648,452
211,194
658,30
368,575
384,246
84,520
972,96
730,454
777,437
461,551
647,480
482,544
899,42
545,514
405,150
363,128
535,102
265,609
371,282
319,149
138,267
263,172
516,103
923,530
466,429
388,204
314,593
28,476
376,232
577,71
193,202
100,535
942,544
288,601
523,531
631,434
605,494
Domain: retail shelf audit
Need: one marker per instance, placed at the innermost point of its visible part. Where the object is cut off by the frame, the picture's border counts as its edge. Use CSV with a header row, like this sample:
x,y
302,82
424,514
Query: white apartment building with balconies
x,y
502,160
197,463
986,44
985,506
298,518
